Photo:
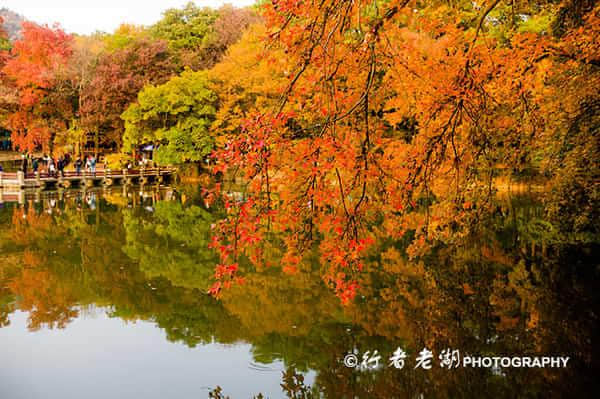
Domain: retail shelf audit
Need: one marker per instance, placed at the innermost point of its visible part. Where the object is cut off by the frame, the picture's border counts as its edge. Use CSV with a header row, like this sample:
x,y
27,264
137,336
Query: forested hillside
x,y
11,23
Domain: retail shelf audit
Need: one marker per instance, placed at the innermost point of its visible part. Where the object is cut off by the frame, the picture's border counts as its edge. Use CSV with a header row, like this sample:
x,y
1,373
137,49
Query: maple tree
x,y
7,97
394,121
37,68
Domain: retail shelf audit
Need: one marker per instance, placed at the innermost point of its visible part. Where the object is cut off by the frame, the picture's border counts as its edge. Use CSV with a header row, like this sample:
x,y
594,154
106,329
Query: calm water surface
x,y
102,295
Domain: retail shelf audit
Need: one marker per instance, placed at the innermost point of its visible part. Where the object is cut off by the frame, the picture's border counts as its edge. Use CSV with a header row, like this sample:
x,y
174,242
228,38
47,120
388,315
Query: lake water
x,y
103,295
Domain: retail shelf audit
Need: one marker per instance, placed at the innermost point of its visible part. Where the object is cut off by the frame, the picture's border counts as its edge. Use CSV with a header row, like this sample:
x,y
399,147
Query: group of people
x,y
55,166
89,162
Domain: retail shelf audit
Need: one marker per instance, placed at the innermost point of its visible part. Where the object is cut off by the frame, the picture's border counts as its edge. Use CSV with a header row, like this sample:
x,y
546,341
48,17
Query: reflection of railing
x,y
21,196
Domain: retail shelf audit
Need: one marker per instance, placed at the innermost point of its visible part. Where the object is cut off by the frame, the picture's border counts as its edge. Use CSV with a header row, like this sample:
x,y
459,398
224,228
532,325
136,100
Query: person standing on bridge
x,y
35,165
78,164
51,167
24,164
93,165
61,166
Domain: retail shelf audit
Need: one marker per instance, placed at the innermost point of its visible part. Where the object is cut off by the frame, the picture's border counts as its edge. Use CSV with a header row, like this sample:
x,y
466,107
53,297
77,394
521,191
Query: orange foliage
x,y
36,62
391,120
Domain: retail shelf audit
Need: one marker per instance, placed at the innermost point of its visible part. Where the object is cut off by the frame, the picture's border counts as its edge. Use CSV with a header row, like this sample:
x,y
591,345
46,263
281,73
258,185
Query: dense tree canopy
x,y
397,118
361,153
248,80
200,36
340,122
59,92
118,77
37,68
177,115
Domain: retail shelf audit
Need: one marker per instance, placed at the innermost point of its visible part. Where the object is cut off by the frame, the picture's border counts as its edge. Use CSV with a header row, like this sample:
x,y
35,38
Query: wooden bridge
x,y
44,180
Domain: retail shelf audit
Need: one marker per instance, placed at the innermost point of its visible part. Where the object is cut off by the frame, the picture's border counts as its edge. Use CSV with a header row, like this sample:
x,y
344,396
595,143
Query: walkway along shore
x,y
43,180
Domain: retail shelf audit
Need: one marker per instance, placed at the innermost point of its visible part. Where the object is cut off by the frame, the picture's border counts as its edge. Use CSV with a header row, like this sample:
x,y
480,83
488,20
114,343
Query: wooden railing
x,y
85,173
19,178
9,175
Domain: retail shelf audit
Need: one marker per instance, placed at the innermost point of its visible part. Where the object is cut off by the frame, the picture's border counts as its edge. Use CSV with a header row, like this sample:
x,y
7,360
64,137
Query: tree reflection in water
x,y
515,286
